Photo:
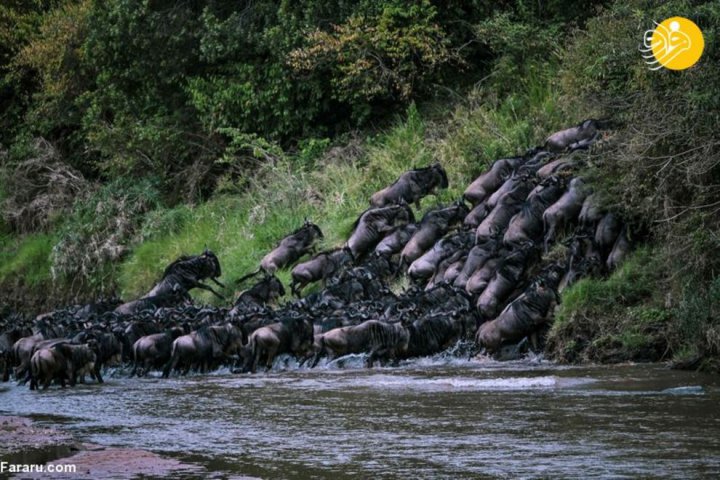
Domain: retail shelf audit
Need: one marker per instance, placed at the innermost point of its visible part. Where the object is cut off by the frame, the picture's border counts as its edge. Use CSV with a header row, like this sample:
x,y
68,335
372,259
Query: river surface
x,y
430,418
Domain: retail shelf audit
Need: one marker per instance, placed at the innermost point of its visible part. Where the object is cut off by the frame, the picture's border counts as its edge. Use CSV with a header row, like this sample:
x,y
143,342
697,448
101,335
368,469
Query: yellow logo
x,y
676,43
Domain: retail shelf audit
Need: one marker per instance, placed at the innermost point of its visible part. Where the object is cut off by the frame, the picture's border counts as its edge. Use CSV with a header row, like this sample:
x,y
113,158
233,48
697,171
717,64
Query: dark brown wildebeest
x,y
373,224
482,276
590,213
61,361
204,348
564,211
383,341
580,136
476,215
7,340
107,348
433,226
555,167
487,183
293,335
291,248
620,250
517,187
498,219
186,273
258,296
505,281
412,186
527,224
46,365
606,233
476,259
153,351
425,266
396,240
176,298
434,332
524,315
321,266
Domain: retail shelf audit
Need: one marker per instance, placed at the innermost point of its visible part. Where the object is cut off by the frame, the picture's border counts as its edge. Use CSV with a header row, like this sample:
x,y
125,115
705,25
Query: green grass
x,y
27,259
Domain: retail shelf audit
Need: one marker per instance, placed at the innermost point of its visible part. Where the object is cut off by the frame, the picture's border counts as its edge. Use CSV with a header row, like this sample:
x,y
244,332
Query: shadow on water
x,y
427,418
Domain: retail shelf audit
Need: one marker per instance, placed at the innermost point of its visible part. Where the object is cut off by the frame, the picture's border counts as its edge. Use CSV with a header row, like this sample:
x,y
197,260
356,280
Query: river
x,y
429,418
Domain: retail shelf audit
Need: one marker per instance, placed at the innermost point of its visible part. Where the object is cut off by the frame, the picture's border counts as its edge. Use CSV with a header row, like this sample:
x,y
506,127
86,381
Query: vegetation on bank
x,y
253,117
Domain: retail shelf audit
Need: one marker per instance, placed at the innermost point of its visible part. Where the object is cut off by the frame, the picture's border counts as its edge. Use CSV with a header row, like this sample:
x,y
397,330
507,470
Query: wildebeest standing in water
x,y
582,135
186,273
204,348
412,186
383,341
320,267
373,224
153,351
292,335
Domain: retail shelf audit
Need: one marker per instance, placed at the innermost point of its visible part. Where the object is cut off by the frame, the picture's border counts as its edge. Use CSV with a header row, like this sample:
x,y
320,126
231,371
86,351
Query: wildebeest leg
x,y
208,288
98,376
6,370
272,351
217,282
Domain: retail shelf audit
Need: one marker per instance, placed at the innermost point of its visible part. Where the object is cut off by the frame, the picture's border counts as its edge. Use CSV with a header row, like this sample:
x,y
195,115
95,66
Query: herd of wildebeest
x,y
475,274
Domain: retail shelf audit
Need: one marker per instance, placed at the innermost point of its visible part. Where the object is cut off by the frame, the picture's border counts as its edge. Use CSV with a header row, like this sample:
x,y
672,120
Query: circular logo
x,y
676,43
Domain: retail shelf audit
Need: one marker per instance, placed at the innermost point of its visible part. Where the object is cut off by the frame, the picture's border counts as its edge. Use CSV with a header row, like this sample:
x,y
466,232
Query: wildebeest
x,y
555,167
374,223
435,332
412,186
620,250
517,187
498,219
46,365
292,335
320,267
256,297
564,211
590,213
186,273
60,361
505,281
424,266
383,341
204,347
292,248
433,226
106,346
607,232
582,135
482,276
153,351
484,186
527,224
396,240
476,258
171,299
476,215
524,315
7,340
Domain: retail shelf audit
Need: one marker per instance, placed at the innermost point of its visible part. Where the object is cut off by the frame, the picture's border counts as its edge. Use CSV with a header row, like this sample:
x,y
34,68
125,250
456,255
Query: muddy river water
x,y
430,418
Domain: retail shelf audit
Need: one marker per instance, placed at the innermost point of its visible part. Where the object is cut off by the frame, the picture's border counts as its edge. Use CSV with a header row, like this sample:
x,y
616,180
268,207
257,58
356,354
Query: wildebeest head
x,y
441,175
312,229
212,264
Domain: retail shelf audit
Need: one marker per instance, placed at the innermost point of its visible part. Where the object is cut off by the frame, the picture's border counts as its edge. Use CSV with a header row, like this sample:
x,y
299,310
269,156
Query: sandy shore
x,y
23,442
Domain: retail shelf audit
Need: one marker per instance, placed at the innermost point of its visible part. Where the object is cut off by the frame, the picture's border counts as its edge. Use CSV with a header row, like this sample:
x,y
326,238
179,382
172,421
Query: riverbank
x,y
26,446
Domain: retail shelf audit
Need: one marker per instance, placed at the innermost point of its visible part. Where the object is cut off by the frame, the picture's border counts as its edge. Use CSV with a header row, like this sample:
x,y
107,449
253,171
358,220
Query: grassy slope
x,y
241,228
